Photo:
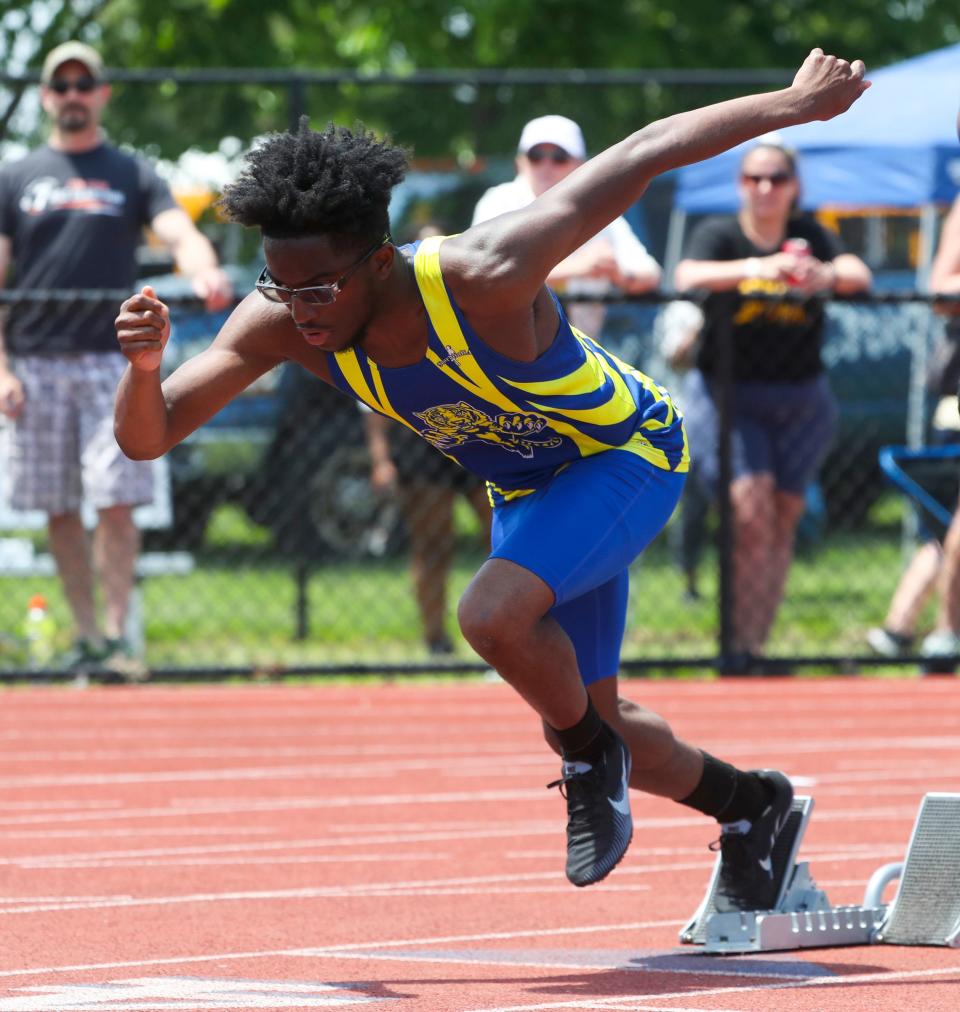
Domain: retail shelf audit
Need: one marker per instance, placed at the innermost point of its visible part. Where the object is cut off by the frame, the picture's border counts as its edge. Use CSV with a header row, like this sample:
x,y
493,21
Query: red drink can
x,y
799,248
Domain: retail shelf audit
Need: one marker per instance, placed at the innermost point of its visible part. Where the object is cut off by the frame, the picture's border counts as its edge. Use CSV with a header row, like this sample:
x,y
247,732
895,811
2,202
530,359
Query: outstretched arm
x,y
514,253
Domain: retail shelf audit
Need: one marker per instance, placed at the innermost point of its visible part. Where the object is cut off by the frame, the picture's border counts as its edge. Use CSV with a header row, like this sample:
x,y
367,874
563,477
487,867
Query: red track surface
x,y
393,846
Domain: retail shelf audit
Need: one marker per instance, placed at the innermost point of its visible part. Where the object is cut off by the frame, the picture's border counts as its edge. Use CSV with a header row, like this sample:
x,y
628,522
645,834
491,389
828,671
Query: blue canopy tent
x,y
896,147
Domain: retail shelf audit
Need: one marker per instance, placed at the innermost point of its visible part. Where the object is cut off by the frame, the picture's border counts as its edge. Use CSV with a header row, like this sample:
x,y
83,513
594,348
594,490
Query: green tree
x,y
449,120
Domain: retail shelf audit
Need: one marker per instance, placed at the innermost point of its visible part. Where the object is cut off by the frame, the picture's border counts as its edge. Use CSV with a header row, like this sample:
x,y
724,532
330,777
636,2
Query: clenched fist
x,y
143,329
827,86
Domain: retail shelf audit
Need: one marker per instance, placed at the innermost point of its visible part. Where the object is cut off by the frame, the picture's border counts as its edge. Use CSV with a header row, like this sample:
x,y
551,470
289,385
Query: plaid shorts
x,y
62,447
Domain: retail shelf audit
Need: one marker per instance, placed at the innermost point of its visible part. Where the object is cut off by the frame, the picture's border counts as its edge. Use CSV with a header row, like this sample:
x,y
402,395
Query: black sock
x,y
585,741
726,793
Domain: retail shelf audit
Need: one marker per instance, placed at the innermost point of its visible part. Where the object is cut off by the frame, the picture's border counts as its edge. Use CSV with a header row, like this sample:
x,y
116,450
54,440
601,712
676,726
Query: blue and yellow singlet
x,y
514,423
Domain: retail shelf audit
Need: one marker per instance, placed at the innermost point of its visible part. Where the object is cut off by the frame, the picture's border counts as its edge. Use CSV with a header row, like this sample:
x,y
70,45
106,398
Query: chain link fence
x,y
268,549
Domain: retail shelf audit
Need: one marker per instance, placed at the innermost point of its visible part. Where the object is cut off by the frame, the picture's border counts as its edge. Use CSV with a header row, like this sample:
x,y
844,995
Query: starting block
x,y
925,910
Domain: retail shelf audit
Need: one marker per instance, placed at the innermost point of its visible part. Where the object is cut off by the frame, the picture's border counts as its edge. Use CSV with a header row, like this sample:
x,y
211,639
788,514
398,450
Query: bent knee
x,y
488,623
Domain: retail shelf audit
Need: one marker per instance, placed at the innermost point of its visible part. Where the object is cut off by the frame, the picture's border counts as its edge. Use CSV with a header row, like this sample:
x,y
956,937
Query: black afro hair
x,y
336,183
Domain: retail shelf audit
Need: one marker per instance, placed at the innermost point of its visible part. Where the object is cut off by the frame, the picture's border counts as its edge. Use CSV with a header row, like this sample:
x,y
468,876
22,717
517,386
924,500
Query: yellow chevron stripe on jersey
x,y
349,364
618,407
385,406
655,390
576,382
469,374
642,447
639,443
426,265
589,378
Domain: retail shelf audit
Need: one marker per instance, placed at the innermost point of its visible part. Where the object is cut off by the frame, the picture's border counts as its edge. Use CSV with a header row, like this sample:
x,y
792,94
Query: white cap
x,y
68,51
558,130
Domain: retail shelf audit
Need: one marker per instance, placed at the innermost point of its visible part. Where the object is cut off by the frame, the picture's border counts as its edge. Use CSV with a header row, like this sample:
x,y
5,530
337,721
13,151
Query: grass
x,y
240,606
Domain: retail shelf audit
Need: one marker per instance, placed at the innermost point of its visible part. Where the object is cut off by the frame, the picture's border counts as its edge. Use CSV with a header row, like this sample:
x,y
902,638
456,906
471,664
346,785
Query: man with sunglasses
x,y
550,148
71,217
460,340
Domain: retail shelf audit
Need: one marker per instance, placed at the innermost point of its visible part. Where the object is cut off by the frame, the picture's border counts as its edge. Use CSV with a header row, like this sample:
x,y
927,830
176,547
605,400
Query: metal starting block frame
x,y
925,911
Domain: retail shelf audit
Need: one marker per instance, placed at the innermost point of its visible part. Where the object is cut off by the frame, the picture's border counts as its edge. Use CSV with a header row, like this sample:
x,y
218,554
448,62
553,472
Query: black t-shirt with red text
x,y
773,342
74,222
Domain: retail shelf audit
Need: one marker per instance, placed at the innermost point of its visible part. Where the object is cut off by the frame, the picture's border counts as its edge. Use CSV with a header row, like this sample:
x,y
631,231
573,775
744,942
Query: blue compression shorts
x,y
580,534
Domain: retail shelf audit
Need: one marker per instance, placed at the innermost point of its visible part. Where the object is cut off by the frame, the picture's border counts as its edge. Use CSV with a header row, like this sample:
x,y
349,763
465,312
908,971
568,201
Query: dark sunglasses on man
x,y
84,85
556,155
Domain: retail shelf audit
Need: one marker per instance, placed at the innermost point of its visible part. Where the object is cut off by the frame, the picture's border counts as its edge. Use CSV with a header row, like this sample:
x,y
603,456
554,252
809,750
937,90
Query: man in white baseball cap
x,y
68,52
550,148
557,131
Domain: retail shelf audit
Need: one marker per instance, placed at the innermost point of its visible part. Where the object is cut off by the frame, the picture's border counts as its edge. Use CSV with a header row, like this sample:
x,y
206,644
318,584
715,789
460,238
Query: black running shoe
x,y
747,880
599,825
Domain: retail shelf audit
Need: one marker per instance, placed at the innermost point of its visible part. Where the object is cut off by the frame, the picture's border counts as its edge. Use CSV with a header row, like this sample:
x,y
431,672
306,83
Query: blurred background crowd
x,y
784,293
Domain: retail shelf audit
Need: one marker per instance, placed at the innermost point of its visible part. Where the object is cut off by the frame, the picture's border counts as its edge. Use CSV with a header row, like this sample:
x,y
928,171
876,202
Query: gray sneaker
x,y
889,644
941,643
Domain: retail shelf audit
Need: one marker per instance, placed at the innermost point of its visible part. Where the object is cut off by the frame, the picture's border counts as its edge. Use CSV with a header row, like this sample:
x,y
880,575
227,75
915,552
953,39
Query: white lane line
x,y
385,857
51,899
476,884
386,892
52,805
313,953
707,968
619,1001
358,839
226,807
369,771
780,747
218,852
469,885
310,728
485,936
655,1008
470,753
159,861
380,801
236,752
272,737
150,832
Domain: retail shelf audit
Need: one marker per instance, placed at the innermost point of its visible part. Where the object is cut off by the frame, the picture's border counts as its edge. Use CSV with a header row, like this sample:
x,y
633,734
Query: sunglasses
x,y
314,295
557,156
82,84
774,179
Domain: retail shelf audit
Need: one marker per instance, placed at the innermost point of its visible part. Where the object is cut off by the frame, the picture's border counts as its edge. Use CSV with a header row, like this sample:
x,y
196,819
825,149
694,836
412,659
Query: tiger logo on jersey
x,y
455,424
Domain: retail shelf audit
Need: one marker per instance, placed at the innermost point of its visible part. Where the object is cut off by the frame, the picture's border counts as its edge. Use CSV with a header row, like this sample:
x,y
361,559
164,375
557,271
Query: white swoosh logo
x,y
623,805
767,865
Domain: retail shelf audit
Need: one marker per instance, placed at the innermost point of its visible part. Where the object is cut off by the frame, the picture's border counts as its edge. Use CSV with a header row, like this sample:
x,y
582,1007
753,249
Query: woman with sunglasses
x,y
783,413
459,339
